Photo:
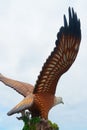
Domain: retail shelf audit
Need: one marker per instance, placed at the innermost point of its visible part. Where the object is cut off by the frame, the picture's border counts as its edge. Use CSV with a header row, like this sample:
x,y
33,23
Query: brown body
x,y
42,104
41,98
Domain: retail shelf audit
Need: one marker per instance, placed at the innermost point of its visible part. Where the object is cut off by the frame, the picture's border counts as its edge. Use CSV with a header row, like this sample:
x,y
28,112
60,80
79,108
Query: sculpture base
x,y
36,123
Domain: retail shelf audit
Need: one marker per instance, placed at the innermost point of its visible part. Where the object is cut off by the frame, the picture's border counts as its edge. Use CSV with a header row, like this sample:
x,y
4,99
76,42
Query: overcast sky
x,y
28,31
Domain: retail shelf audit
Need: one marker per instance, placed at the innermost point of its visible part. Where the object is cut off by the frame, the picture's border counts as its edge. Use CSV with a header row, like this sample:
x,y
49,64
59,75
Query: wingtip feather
x,y
65,21
9,114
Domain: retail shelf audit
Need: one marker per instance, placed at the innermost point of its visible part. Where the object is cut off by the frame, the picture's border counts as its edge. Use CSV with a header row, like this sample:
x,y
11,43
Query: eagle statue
x,y
39,99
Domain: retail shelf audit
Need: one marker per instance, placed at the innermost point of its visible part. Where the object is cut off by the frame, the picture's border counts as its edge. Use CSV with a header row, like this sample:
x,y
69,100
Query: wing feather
x,y
62,57
24,104
21,87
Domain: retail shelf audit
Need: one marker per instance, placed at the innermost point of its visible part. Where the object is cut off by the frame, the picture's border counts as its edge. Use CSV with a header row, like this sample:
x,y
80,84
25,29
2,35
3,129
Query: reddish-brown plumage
x,y
40,100
44,103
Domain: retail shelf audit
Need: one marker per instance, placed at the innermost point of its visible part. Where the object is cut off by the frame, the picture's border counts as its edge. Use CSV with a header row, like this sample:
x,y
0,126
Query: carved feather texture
x,y
24,104
62,57
40,100
21,87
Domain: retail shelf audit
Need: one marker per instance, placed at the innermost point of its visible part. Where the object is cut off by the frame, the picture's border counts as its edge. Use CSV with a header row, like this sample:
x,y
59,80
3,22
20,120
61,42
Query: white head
x,y
58,100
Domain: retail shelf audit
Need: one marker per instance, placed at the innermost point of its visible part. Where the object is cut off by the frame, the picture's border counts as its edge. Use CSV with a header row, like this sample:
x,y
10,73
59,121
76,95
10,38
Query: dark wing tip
x,y
65,21
72,27
74,23
69,10
10,113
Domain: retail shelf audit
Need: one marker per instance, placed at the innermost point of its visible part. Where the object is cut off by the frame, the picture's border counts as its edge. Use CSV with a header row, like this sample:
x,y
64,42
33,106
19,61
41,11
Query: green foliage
x,y
54,125
35,120
26,123
37,123
26,127
30,124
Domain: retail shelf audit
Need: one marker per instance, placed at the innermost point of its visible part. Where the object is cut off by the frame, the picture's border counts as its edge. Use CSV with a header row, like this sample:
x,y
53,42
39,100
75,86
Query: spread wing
x,y
62,57
21,87
24,104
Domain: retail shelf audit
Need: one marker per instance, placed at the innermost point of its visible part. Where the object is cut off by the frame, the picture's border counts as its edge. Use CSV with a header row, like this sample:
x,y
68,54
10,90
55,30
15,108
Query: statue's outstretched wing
x,y
24,104
63,55
21,87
